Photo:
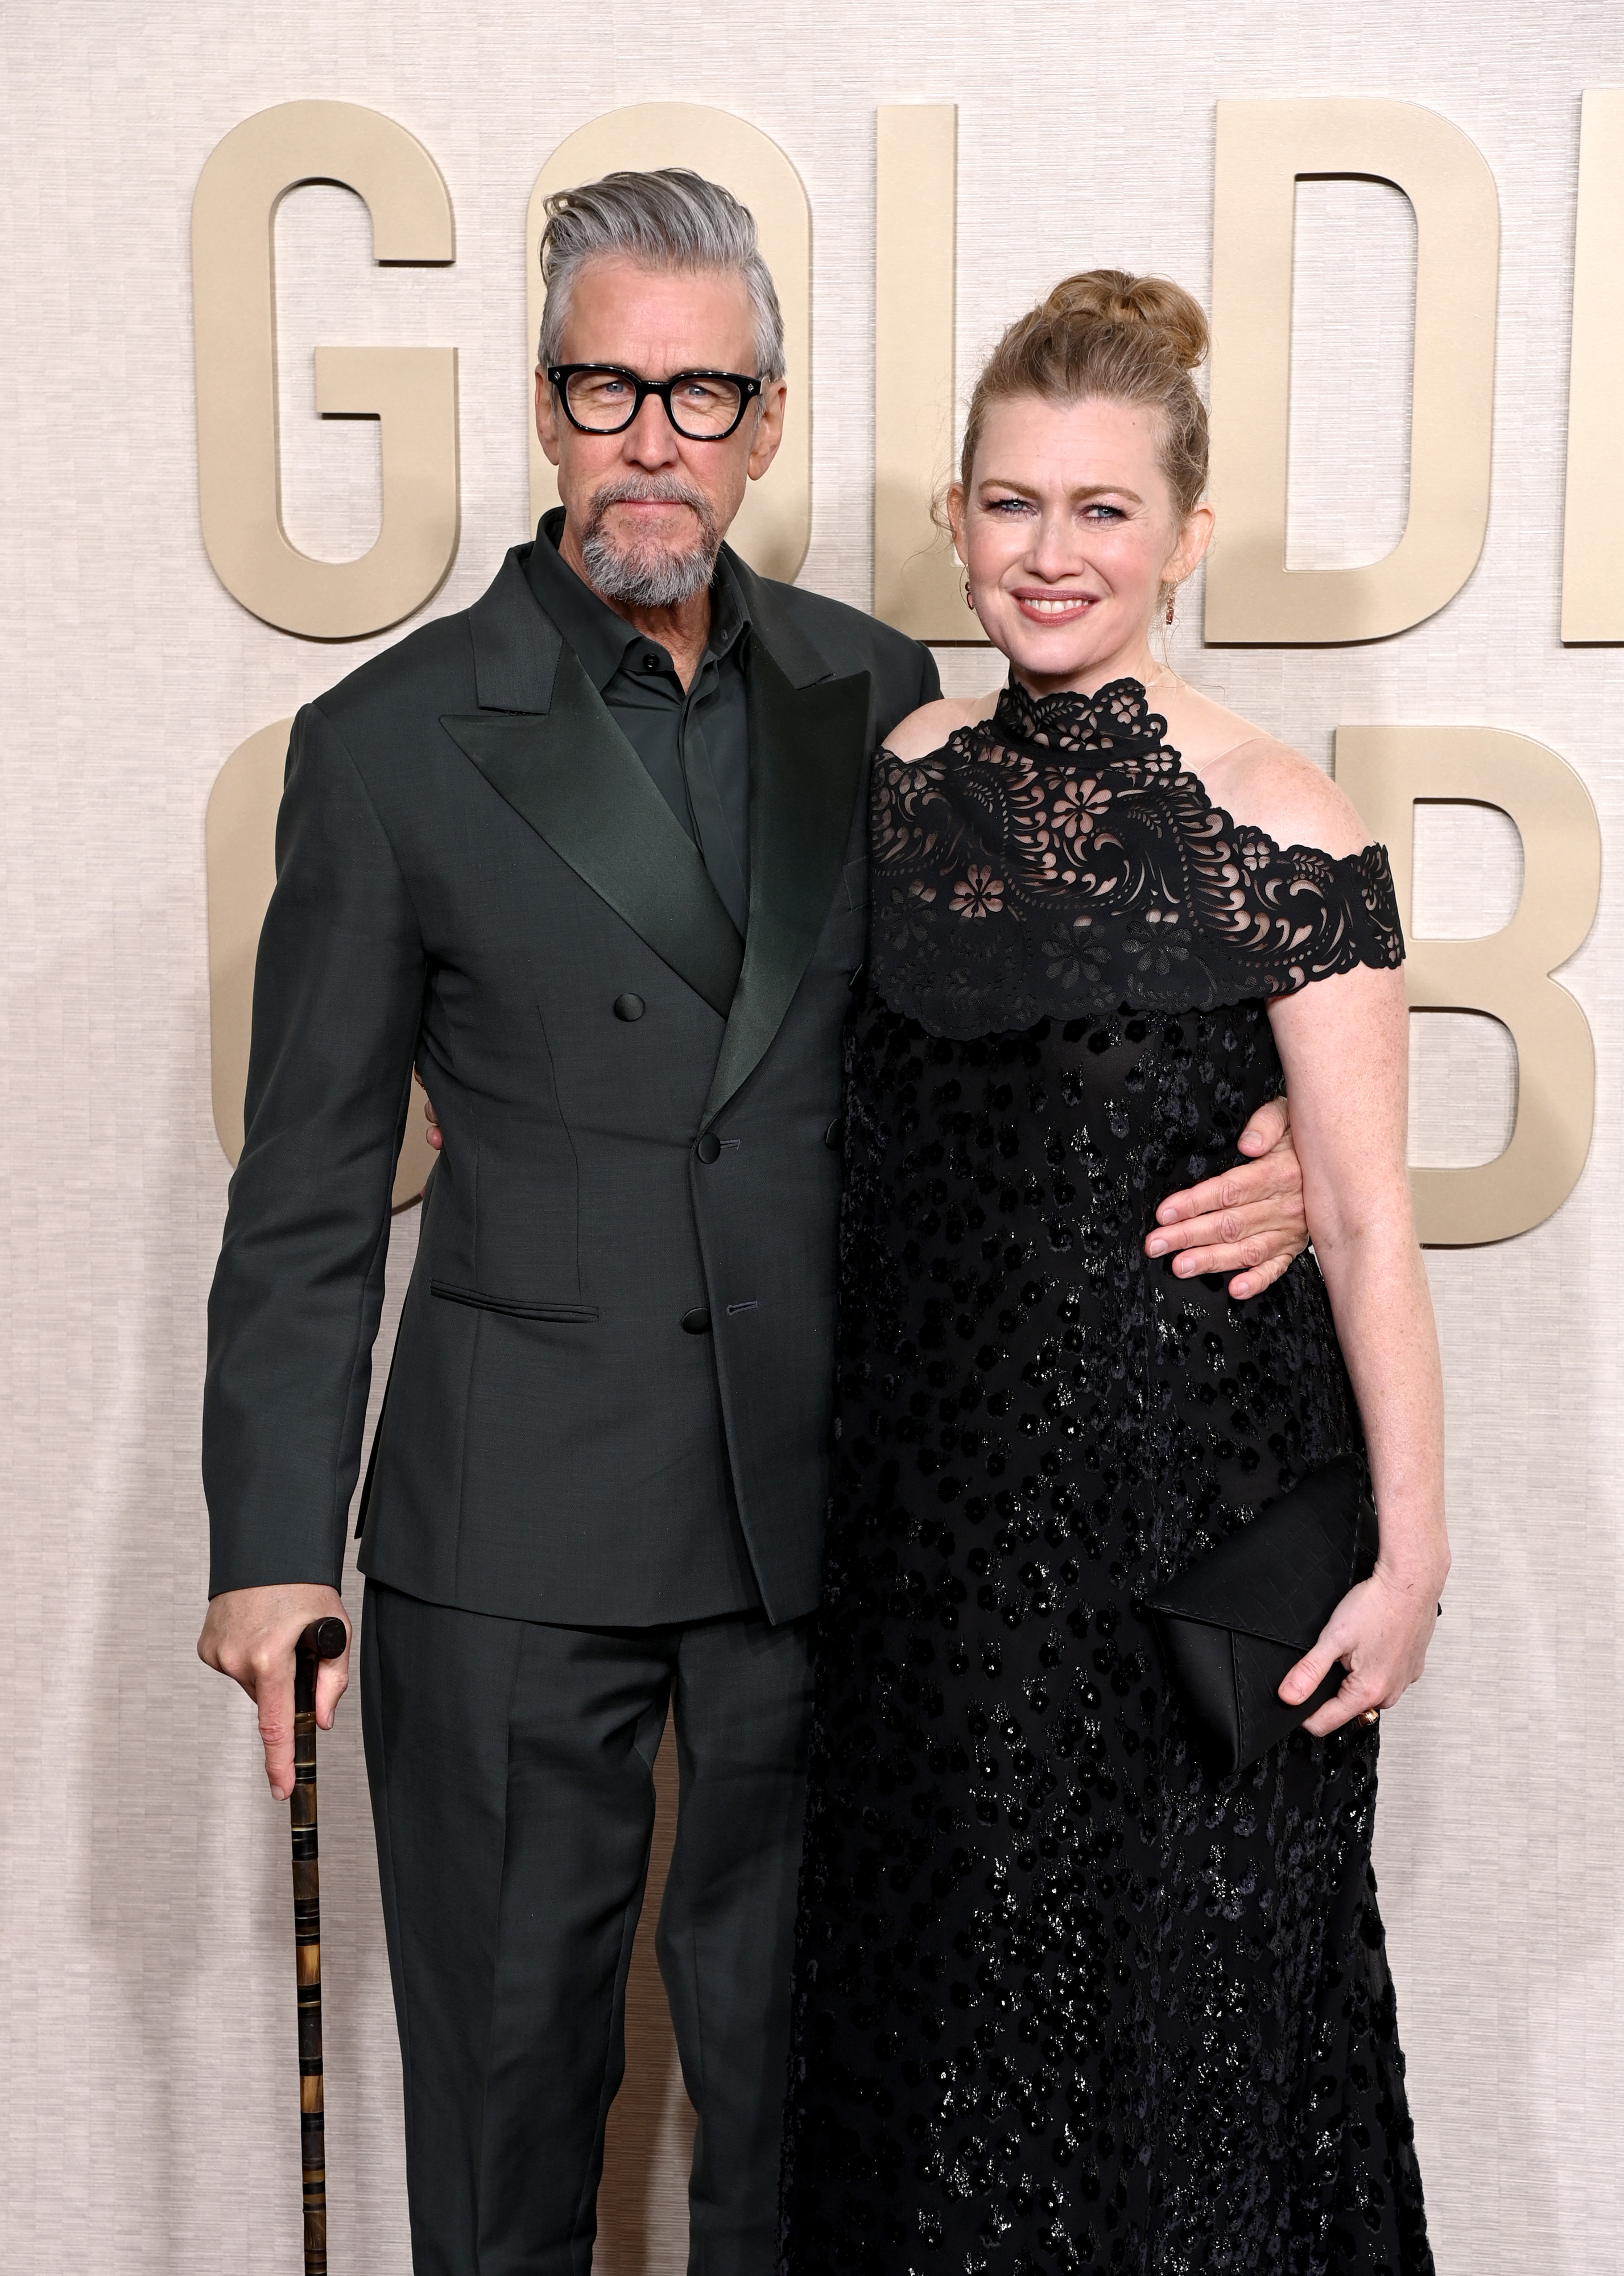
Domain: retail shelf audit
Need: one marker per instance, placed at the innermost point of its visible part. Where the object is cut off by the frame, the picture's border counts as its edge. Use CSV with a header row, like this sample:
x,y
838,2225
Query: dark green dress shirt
x,y
695,742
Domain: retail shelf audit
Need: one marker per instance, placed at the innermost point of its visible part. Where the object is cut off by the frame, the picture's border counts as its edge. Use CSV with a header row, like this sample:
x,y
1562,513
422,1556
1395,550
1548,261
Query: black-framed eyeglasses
x,y
604,398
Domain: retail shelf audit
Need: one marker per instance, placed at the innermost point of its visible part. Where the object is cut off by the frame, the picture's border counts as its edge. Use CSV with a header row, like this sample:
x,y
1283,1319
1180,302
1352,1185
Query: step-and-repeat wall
x,y
269,301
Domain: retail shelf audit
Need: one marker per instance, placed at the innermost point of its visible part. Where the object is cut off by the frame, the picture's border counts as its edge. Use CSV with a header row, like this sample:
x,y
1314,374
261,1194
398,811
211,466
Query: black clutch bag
x,y
1240,1617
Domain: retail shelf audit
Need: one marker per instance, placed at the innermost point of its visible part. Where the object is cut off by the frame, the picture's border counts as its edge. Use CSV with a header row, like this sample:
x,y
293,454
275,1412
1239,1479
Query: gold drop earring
x,y
1170,598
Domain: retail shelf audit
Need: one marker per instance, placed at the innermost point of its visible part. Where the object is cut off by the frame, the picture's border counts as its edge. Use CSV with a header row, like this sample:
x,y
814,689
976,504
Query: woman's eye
x,y
1096,510
1008,505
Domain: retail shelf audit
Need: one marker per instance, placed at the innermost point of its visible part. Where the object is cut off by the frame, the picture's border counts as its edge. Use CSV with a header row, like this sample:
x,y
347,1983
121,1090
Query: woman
x,y
1063,1999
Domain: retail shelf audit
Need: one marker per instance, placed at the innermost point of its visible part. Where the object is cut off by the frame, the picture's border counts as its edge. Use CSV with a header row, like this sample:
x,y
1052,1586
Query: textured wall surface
x,y
147,2094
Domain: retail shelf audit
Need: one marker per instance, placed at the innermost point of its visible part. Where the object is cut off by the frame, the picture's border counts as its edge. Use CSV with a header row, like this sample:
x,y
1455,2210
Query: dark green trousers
x,y
511,1769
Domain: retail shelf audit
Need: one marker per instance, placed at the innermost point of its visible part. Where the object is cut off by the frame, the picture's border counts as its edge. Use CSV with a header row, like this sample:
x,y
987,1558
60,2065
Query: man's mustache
x,y
651,489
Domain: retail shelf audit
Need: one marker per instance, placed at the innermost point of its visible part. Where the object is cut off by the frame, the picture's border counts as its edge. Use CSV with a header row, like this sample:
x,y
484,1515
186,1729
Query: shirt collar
x,y
601,638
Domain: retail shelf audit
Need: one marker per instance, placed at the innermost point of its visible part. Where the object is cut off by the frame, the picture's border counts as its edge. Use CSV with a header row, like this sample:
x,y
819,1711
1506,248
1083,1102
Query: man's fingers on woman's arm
x,y
1268,1128
1222,1236
1274,1182
1250,1241
1257,1278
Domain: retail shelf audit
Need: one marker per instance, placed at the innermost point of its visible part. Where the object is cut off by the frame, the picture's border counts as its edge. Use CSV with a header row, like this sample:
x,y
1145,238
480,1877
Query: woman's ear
x,y
1194,538
955,521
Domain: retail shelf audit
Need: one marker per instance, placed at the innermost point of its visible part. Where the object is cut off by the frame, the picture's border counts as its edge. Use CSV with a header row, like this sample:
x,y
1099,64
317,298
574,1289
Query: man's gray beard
x,y
647,576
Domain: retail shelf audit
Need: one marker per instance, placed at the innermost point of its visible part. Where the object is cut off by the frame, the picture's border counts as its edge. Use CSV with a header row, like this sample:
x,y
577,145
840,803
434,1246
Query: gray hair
x,y
671,219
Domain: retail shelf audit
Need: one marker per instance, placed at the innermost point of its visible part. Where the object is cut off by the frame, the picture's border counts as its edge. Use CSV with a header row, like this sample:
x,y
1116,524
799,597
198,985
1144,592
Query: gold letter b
x,y
1385,770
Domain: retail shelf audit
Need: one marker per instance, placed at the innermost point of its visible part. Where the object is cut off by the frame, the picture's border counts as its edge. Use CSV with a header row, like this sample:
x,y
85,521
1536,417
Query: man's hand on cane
x,y
1248,1220
250,1635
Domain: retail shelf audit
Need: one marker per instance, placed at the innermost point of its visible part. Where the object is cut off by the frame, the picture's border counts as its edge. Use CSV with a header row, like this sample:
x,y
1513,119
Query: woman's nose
x,y
1056,551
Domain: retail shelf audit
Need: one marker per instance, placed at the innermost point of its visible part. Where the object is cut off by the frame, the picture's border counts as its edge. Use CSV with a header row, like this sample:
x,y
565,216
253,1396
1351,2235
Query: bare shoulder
x,y
1259,779
928,728
1278,790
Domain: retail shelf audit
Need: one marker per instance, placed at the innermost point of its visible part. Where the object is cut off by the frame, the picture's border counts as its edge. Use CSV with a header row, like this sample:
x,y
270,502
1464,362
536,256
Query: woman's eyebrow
x,y
1086,490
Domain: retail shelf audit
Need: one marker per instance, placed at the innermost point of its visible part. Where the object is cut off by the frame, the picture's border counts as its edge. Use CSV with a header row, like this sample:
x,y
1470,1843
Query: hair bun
x,y
1153,305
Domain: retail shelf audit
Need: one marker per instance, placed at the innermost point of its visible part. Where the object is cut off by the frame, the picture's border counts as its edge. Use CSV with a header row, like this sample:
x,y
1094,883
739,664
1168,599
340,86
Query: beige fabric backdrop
x,y
147,2095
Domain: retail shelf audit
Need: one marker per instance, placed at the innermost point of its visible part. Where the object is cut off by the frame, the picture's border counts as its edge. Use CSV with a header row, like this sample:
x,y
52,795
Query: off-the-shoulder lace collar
x,y
1057,859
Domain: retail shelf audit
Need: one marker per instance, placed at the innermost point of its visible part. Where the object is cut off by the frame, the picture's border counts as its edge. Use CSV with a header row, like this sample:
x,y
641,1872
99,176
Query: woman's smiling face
x,y
1068,531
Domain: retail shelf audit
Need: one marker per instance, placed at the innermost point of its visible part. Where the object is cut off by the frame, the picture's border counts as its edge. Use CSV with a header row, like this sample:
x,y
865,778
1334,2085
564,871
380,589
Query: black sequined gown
x,y
1062,2000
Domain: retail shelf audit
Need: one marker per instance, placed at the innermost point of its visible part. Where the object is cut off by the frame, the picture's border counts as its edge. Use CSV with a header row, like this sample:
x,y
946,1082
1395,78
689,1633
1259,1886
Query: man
x,y
592,856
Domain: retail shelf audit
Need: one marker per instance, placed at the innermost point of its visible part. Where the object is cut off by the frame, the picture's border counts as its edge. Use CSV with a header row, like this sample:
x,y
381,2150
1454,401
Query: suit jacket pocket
x,y
511,1307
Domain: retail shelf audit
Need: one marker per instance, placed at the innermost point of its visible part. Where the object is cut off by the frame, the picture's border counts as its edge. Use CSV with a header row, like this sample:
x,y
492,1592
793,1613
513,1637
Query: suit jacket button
x,y
833,1135
709,1149
696,1323
630,1007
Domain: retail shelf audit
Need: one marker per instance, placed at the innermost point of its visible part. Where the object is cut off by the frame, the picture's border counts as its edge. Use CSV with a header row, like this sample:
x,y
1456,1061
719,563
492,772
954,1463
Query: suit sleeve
x,y
337,1000
930,680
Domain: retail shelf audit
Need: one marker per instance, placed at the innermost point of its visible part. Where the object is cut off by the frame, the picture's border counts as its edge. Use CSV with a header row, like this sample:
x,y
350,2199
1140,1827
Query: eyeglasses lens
x,y
701,408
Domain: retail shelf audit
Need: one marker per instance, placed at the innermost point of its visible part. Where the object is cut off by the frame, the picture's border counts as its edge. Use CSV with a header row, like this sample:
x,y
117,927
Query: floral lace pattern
x,y
1058,860
1065,2003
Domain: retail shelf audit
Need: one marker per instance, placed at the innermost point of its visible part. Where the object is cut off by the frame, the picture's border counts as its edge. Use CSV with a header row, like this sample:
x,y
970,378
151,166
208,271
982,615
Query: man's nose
x,y
650,440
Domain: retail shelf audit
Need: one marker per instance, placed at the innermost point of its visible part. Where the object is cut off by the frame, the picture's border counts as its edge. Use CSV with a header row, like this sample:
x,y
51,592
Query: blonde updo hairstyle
x,y
1115,338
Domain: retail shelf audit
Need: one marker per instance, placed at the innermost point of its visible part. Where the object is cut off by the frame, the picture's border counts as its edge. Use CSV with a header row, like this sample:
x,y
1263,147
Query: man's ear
x,y
769,429
547,417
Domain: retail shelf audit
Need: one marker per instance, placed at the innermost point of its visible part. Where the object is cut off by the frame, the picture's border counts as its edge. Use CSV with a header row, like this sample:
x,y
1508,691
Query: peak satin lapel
x,y
577,781
806,749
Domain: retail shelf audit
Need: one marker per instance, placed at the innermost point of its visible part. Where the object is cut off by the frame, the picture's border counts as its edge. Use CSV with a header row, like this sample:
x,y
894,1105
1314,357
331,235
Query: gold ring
x,y
1371,1714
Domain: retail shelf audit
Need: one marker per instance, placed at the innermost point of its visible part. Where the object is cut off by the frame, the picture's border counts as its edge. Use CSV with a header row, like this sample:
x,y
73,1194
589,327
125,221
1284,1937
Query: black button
x,y
709,1149
650,663
696,1323
833,1135
630,1007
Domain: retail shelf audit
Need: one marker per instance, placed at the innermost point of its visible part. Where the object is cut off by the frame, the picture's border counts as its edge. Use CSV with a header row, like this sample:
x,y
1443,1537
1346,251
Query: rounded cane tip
x,y
331,1638
324,1639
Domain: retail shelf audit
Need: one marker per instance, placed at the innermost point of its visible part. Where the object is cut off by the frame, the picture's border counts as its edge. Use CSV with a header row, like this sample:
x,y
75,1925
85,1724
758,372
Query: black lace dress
x,y
1062,2000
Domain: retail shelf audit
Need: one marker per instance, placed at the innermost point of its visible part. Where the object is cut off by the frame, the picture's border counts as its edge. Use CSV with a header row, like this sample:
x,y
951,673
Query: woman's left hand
x,y
1380,1632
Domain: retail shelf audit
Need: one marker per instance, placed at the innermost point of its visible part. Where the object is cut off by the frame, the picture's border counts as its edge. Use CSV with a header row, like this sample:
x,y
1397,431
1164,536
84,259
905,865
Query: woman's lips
x,y
1052,607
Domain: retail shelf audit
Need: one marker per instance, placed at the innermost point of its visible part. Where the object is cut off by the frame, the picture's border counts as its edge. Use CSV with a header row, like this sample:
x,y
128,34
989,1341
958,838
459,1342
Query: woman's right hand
x,y
435,1136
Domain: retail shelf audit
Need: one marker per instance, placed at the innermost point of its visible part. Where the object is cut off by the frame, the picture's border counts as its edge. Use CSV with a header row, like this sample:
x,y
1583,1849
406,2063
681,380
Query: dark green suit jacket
x,y
473,868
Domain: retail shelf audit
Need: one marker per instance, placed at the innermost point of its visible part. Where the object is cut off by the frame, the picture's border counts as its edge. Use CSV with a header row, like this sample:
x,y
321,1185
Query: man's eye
x,y
700,391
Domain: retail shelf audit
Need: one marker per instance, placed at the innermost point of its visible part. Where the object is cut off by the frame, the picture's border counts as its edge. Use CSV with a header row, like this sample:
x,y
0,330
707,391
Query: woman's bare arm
x,y
1345,1046
1344,1043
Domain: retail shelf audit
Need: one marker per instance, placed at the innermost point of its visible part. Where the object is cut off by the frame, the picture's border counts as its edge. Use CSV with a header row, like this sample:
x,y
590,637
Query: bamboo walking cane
x,y
321,1640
